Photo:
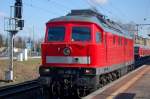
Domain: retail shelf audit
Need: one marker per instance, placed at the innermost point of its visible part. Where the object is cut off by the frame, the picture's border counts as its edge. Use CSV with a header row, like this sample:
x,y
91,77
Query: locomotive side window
x,y
98,37
81,34
56,33
114,40
125,42
119,41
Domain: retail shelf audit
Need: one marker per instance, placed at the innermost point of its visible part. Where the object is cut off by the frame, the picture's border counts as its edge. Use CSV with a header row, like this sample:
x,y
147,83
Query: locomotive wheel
x,y
114,76
110,77
103,80
47,92
82,92
132,67
118,73
56,89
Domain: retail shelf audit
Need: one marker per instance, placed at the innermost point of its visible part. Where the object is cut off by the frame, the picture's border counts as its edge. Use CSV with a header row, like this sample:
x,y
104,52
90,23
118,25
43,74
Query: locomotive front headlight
x,y
47,70
67,51
44,71
89,71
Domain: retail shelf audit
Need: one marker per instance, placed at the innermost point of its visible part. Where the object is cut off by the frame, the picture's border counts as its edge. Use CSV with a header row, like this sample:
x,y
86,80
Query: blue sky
x,y
37,12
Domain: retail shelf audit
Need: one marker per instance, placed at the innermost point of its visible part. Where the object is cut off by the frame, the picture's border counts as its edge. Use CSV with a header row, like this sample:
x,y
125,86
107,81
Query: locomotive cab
x,y
67,45
68,53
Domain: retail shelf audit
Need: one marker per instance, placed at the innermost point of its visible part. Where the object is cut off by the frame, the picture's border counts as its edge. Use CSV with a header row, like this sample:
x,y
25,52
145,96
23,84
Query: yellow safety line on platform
x,y
128,84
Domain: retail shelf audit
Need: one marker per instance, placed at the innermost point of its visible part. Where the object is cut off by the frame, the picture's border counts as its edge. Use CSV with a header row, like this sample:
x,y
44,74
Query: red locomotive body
x,y
85,50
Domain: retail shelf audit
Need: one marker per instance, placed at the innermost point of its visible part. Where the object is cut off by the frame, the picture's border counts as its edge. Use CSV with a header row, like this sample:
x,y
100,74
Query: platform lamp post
x,y
13,25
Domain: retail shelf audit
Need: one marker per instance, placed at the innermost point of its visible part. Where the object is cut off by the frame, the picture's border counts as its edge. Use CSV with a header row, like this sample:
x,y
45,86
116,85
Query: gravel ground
x,y
23,71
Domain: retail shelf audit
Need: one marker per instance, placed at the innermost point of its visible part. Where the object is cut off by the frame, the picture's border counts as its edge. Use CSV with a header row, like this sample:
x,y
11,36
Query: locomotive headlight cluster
x,y
67,51
89,71
45,71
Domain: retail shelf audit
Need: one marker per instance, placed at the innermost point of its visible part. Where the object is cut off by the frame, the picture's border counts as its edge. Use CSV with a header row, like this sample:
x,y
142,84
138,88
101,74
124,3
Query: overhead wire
x,y
50,12
53,3
120,13
60,4
116,16
147,11
66,6
90,3
40,8
99,6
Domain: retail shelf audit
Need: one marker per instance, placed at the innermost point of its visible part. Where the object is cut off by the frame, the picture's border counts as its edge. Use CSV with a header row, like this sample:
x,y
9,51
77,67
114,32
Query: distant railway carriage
x,y
141,47
84,51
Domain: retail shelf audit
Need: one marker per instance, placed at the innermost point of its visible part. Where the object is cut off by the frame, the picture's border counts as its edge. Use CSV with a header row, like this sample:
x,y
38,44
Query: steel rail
x,y
19,88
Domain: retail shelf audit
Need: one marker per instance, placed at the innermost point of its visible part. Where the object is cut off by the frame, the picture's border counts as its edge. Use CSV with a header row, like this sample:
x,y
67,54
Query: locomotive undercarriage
x,y
68,81
106,78
73,82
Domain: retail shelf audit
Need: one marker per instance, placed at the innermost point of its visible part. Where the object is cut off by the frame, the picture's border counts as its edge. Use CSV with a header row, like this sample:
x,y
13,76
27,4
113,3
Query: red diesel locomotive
x,y
84,51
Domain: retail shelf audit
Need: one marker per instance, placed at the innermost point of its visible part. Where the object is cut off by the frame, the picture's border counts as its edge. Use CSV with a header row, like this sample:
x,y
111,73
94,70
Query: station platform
x,y
134,85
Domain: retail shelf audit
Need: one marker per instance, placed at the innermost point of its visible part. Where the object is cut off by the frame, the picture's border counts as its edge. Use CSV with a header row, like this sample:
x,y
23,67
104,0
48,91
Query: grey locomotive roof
x,y
107,26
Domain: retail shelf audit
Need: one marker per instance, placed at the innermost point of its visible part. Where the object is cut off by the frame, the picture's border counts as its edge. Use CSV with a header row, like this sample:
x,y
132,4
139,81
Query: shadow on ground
x,y
4,81
125,96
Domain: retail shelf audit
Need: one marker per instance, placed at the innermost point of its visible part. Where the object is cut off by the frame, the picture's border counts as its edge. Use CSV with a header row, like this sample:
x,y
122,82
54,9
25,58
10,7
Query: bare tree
x,y
19,42
1,40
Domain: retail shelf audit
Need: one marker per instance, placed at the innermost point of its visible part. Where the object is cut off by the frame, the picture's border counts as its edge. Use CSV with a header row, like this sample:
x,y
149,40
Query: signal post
x,y
12,25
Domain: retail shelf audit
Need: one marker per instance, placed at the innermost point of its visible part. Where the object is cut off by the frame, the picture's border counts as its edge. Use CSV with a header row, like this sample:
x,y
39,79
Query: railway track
x,y
33,90
26,90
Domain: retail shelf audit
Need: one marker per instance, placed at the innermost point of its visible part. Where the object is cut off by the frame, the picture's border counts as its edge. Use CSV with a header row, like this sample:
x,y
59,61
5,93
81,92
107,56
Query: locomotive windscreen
x,y
81,34
56,33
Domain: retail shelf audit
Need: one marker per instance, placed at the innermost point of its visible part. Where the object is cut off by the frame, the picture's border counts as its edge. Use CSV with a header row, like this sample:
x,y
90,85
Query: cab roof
x,y
89,15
